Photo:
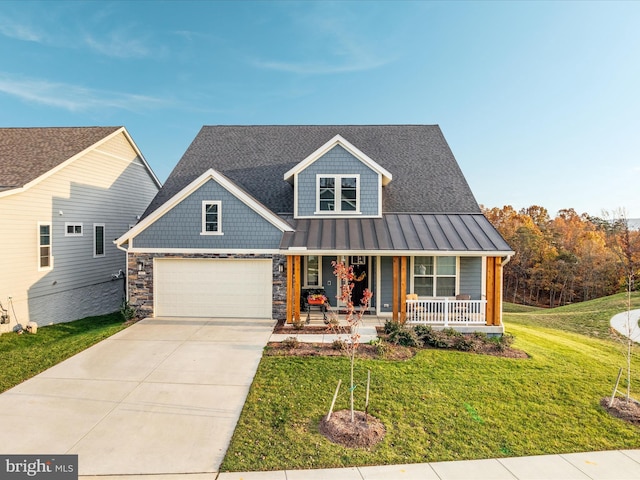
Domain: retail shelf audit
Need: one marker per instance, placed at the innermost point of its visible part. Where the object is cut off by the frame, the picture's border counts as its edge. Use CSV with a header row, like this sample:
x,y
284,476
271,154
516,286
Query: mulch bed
x,y
364,432
364,351
623,409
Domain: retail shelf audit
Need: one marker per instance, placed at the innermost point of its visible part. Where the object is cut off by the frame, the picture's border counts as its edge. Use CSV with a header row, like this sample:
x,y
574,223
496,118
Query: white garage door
x,y
232,288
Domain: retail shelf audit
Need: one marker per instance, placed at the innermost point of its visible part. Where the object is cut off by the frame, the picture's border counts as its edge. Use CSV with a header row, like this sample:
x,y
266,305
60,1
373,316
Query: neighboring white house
x,y
65,195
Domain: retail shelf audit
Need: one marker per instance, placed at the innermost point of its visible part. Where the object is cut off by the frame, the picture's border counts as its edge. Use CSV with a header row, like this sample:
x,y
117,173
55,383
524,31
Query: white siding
x,y
108,185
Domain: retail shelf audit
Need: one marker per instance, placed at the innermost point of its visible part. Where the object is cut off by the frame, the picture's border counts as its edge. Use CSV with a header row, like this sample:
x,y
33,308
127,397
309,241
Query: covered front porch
x,y
394,281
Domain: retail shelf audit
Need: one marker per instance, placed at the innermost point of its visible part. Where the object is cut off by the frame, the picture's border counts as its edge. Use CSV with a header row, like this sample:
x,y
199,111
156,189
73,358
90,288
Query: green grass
x,y
444,405
26,355
587,318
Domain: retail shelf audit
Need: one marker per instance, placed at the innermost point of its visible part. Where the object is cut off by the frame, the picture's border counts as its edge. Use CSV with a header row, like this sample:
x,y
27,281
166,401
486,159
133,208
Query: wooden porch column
x,y
494,290
403,289
396,274
296,288
289,289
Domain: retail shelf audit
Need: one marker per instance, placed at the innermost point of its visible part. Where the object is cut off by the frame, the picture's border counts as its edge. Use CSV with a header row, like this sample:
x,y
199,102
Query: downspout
x,y
126,270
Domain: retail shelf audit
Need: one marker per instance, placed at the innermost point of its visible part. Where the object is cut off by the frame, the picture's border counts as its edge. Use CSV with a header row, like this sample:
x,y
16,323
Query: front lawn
x,y
443,405
24,356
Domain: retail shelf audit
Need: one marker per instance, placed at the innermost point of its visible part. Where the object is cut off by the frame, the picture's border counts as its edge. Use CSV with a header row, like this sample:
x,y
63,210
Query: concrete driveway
x,y
161,397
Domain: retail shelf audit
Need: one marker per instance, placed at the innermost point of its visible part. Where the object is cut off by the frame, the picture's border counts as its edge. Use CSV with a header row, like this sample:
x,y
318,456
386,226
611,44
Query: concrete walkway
x,y
612,465
626,323
161,397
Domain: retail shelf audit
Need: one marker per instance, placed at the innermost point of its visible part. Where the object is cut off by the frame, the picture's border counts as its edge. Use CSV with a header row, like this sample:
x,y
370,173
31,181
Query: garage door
x,y
232,288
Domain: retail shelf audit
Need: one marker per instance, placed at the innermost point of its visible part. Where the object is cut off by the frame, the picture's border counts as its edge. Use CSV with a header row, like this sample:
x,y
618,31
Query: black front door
x,y
360,278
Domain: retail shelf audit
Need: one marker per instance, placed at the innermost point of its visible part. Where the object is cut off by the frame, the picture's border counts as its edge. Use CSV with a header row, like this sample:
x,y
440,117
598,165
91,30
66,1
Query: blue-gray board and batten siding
x,y
338,161
181,227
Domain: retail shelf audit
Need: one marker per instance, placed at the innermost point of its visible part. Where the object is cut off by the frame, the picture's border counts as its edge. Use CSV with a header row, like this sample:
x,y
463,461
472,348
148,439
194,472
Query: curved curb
x,y
620,323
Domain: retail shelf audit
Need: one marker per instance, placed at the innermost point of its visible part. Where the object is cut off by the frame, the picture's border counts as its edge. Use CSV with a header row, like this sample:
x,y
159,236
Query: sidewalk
x,y
613,465
627,326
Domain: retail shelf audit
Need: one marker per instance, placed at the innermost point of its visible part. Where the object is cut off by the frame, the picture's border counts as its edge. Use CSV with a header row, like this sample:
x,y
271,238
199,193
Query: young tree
x,y
353,316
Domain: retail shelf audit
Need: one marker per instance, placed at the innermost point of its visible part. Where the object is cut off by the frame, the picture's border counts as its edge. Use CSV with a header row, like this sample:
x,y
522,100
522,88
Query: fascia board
x,y
396,253
139,153
339,140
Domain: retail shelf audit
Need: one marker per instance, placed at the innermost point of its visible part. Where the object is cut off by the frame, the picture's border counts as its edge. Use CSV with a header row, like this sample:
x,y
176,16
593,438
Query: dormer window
x,y
338,194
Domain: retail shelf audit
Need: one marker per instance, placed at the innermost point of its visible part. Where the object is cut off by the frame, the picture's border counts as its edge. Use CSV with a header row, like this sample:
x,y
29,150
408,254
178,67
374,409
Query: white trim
x,y
203,230
378,284
337,191
228,185
104,240
306,271
38,246
213,251
95,146
352,149
73,224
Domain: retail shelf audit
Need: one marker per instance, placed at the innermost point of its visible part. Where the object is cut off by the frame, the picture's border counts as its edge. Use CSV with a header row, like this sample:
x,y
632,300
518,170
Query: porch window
x,y
435,274
338,193
211,218
312,271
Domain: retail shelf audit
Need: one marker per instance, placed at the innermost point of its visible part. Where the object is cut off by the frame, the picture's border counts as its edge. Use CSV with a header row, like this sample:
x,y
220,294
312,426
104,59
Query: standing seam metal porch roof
x,y
397,232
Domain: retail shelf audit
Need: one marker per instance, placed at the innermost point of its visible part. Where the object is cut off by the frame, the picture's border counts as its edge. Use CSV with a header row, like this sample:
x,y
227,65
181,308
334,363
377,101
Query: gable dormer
x,y
337,180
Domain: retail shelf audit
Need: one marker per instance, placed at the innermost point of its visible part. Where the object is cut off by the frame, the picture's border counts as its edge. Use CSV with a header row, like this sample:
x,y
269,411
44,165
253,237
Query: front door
x,y
361,278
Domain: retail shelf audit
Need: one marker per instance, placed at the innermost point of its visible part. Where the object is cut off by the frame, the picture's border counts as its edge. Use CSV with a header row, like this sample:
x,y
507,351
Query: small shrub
x,y
291,342
128,312
390,327
462,343
339,344
432,338
381,346
405,338
298,324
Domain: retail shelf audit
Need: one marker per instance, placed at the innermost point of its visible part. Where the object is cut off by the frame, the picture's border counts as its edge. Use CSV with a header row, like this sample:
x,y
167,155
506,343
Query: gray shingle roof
x,y
397,232
27,153
426,176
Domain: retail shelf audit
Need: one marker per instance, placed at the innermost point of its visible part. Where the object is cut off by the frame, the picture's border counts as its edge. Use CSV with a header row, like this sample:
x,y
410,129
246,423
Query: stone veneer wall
x,y
141,282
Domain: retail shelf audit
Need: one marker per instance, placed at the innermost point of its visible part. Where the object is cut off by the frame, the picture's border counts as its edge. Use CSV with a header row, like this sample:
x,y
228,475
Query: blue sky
x,y
539,101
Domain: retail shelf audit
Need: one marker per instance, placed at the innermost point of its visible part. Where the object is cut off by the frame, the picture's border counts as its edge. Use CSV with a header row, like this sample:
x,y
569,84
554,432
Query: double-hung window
x,y
45,259
338,193
98,240
211,218
435,276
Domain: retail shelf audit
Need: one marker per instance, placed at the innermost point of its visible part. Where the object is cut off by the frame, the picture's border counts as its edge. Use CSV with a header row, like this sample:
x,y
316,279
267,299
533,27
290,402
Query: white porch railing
x,y
443,311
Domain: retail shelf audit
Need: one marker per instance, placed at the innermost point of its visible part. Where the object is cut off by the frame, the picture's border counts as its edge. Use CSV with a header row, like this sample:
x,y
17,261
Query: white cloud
x,y
119,45
73,97
18,31
333,39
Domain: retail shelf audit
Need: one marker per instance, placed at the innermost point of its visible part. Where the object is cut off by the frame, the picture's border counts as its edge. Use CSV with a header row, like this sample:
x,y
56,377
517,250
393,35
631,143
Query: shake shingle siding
x,y
181,227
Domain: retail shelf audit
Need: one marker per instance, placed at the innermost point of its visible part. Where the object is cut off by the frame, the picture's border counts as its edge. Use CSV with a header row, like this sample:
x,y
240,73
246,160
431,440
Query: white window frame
x,y
338,195
104,240
203,230
74,233
306,271
40,246
435,275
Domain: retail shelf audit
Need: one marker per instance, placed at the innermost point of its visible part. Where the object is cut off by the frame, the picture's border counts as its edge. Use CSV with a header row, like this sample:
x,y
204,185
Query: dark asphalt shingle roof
x,y
405,232
426,176
28,153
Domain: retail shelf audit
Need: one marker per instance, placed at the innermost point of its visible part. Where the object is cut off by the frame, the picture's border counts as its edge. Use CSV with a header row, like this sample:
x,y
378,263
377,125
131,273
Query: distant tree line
x,y
570,258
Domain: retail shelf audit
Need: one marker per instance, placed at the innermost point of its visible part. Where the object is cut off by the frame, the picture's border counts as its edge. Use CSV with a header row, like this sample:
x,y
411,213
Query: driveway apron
x,y
161,397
